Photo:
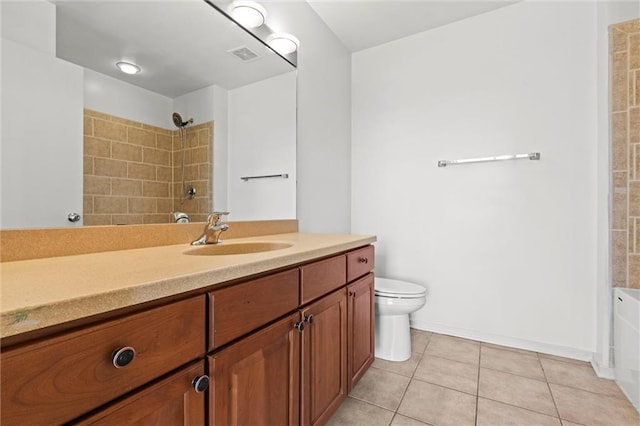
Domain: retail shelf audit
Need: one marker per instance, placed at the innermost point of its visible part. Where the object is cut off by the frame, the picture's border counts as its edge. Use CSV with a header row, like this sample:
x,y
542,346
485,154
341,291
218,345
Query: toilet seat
x,y
385,287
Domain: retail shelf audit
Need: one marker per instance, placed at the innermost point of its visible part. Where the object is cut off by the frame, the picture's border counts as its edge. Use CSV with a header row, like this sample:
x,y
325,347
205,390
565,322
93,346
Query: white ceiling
x,y
361,24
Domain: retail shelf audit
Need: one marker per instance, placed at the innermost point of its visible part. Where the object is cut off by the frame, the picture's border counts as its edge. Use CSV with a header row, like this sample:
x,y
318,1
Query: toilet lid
x,y
397,288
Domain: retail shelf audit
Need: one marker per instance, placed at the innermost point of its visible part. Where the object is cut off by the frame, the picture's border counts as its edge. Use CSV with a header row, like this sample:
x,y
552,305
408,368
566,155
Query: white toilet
x,y
394,301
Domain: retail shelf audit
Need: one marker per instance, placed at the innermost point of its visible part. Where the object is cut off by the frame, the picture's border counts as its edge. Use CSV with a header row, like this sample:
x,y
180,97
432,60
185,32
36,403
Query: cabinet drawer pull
x,y
201,383
123,356
308,318
299,326
363,260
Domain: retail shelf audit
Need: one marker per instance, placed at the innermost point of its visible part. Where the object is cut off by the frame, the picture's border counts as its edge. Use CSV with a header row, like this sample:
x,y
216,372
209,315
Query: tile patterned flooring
x,y
453,381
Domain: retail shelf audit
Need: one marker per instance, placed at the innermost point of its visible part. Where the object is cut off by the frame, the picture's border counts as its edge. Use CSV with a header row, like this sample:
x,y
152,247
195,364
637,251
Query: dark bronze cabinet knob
x,y
123,356
201,383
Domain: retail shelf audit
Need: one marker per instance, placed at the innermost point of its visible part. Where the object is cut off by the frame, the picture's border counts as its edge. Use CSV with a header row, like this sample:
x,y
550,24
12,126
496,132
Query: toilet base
x,y
393,337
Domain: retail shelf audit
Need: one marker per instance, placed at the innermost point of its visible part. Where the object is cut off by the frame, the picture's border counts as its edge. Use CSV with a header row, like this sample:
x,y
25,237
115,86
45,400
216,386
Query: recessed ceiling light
x,y
128,67
249,14
283,43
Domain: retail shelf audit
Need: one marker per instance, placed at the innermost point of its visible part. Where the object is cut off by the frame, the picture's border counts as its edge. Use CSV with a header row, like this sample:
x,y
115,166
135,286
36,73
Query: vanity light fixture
x,y
249,14
283,43
128,67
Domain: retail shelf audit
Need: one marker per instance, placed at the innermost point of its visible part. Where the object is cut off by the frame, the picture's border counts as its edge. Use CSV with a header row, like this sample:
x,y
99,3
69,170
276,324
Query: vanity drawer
x,y
58,379
242,308
322,277
360,262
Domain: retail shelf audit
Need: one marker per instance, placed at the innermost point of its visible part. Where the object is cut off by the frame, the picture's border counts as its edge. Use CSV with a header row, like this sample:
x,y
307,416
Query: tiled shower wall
x,y
132,171
624,41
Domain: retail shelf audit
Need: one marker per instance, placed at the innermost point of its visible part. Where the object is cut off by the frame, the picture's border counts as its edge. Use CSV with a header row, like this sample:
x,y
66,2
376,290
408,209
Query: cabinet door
x,y
256,381
324,358
361,326
172,401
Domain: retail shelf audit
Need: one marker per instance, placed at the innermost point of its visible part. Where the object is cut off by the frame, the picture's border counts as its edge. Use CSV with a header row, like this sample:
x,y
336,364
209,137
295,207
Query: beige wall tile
x,y
160,130
636,234
96,114
141,137
141,171
96,219
127,219
619,141
106,167
619,242
634,125
631,26
204,171
199,155
128,187
634,271
165,205
97,147
619,83
125,151
155,189
156,156
87,205
204,137
87,126
87,166
142,205
636,88
96,185
126,121
619,200
634,172
157,218
634,198
192,139
631,234
109,130
164,174
618,40
634,51
109,204
164,142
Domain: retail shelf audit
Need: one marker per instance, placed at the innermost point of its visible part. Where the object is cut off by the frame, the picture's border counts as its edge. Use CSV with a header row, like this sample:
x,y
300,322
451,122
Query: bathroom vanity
x,y
277,337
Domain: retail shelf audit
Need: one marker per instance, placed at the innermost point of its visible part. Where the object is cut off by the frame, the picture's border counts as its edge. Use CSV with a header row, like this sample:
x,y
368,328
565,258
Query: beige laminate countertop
x,y
44,292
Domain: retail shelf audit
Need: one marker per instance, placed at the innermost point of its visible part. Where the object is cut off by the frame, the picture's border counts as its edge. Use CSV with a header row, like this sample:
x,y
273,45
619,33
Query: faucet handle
x,y
214,218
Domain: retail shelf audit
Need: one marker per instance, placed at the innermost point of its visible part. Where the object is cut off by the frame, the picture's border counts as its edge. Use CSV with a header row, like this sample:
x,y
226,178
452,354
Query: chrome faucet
x,y
212,230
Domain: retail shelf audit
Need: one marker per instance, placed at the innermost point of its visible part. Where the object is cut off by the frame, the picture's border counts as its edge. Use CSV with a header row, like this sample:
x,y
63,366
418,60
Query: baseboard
x,y
512,342
604,372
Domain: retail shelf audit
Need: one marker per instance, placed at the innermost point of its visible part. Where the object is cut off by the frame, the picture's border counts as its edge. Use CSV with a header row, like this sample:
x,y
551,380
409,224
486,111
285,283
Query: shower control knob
x,y
73,217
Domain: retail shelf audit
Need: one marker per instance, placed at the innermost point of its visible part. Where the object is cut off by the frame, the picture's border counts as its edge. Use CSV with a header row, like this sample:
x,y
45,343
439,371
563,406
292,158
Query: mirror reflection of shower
x,y
188,191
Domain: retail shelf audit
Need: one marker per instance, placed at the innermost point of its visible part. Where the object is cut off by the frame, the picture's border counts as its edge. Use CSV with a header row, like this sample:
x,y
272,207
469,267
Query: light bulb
x,y
249,14
128,68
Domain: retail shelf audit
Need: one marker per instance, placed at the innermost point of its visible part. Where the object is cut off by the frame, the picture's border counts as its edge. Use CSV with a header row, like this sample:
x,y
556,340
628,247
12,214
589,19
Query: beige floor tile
x,y
516,390
453,348
511,362
589,409
419,340
400,420
448,373
404,368
380,387
563,359
579,376
508,348
493,413
437,405
568,423
353,412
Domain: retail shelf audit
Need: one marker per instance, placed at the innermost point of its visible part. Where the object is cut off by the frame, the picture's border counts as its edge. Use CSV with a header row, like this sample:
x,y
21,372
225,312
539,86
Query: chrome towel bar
x,y
282,175
530,156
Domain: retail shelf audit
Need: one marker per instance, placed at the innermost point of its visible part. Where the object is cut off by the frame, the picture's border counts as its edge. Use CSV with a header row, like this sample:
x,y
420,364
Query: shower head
x,y
177,120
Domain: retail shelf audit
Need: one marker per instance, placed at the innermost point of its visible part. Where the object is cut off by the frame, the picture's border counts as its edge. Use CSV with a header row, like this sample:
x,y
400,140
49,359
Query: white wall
x,y
116,97
324,118
199,105
41,122
609,12
262,128
507,251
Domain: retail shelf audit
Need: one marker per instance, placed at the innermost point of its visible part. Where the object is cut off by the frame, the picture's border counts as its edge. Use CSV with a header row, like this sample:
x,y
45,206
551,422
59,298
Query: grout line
x,y
550,391
523,408
478,383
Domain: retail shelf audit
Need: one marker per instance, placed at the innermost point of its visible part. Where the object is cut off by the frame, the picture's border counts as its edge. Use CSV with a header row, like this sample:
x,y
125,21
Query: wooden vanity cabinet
x,y
256,380
172,401
361,328
324,358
